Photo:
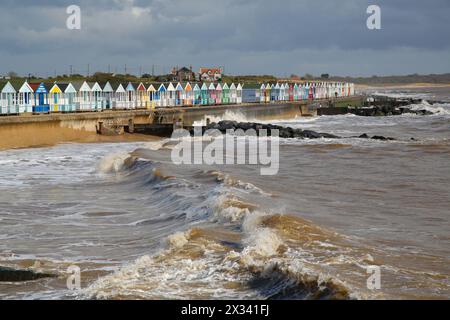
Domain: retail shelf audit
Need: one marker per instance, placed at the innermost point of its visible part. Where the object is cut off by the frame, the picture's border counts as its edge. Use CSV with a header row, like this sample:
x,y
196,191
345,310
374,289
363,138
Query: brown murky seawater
x,y
140,227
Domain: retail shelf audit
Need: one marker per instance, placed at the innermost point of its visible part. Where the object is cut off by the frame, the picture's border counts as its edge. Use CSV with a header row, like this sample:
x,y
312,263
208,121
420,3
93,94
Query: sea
x,y
343,219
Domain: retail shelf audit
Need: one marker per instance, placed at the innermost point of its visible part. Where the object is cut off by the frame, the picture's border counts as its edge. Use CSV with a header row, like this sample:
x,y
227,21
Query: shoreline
x,y
402,86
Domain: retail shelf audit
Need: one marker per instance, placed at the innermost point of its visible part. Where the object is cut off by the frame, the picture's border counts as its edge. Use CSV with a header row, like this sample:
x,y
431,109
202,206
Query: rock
x,y
298,133
364,136
311,134
329,136
14,275
227,125
381,138
285,133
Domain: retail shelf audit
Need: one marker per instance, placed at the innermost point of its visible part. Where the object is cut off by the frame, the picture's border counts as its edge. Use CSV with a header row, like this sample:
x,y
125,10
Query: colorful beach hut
x,y
179,95
219,94
56,98
162,96
226,94
188,95
212,94
151,94
141,96
41,104
204,94
197,95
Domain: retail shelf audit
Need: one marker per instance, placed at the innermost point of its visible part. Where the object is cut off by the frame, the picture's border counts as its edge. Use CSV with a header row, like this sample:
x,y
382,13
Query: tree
x,y
325,76
309,76
12,74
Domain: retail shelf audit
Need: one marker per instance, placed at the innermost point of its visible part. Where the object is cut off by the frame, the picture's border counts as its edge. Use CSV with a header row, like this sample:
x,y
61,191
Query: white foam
x,y
228,115
113,163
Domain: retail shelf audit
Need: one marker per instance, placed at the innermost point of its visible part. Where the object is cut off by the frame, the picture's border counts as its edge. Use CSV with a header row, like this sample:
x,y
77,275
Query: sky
x,y
280,37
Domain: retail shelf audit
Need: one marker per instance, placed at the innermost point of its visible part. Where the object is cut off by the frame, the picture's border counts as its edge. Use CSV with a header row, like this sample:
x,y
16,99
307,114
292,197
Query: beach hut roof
x,y
225,86
107,87
41,88
25,88
162,88
204,86
212,87
130,87
151,88
8,88
63,86
120,89
84,87
141,87
239,87
70,88
233,86
263,87
196,87
179,87
96,87
277,86
55,89
219,87
170,87
188,87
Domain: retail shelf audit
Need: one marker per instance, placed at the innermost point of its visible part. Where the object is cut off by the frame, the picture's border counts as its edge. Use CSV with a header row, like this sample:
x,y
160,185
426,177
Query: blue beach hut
x,y
41,99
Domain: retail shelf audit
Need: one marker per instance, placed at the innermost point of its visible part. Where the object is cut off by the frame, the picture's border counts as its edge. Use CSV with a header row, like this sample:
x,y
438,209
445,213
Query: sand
x,y
33,135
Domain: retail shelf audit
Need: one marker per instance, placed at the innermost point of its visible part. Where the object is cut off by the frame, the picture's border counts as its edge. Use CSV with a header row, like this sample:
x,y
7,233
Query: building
x,y
210,74
183,75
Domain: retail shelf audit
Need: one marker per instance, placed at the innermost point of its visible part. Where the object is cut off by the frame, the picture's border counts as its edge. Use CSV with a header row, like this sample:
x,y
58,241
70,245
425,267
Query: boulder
x,y
15,275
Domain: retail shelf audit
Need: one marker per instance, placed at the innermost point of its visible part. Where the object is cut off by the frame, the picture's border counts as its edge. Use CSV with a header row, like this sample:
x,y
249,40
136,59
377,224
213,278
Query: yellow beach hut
x,y
151,94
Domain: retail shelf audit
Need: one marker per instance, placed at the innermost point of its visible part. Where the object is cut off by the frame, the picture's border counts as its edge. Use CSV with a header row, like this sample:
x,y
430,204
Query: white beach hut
x,y
171,92
69,98
108,95
131,96
84,97
239,91
97,97
8,99
120,97
25,98
233,93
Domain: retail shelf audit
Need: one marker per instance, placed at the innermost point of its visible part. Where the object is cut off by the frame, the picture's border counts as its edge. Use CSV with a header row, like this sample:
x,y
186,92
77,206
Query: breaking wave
x,y
237,249
228,115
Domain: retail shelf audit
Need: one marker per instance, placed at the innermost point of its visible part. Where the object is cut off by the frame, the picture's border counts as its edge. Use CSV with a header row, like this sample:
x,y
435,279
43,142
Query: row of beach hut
x,y
305,91
84,96
17,98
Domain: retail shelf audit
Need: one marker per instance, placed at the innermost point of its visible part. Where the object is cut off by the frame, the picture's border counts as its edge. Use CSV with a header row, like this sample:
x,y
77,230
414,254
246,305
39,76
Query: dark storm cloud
x,y
247,36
